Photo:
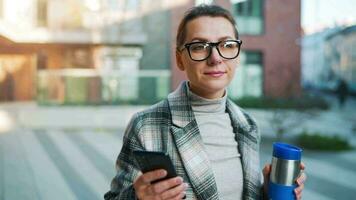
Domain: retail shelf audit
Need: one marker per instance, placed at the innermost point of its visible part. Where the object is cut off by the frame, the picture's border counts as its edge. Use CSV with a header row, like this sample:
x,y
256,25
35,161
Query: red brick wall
x,y
176,15
280,47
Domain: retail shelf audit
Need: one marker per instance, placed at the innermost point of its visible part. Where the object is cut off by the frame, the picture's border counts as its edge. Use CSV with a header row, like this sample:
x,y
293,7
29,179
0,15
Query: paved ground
x,y
69,153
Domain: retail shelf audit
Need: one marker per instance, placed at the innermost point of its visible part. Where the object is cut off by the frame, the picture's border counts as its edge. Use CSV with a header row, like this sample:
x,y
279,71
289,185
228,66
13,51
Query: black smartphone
x,y
152,160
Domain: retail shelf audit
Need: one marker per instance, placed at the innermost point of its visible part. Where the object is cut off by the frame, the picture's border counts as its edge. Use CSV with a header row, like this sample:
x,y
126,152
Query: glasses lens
x,y
199,51
229,49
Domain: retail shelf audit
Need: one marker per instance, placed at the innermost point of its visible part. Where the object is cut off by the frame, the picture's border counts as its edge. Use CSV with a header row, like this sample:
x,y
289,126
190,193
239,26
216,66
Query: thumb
x,y
266,172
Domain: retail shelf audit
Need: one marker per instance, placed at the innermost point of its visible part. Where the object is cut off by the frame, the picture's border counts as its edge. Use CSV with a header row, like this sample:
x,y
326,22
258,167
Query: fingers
x,y
266,171
176,192
172,188
162,186
179,196
143,182
298,191
301,179
148,177
302,166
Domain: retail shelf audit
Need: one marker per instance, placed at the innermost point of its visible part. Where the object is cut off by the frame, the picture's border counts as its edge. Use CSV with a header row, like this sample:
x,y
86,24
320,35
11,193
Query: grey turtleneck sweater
x,y
218,138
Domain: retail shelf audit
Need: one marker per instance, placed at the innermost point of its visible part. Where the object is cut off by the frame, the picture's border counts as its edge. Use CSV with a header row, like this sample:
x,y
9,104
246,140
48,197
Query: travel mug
x,y
285,169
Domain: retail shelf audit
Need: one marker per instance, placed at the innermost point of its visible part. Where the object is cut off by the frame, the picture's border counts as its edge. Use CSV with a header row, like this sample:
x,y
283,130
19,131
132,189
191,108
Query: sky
x,y
318,14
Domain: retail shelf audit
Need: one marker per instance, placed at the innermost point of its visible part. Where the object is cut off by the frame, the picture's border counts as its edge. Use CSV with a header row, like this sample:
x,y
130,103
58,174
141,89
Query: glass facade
x,y
118,80
248,80
90,86
249,16
41,13
1,8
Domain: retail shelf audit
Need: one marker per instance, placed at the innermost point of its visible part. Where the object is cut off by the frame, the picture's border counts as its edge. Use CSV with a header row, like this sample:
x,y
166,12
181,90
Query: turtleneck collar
x,y
203,105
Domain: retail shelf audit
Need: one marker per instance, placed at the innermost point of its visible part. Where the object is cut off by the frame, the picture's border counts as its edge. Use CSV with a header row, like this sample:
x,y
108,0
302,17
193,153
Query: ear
x,y
179,61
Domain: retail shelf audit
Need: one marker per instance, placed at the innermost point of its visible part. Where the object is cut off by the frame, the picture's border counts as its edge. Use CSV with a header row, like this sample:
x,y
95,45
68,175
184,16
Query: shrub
x,y
317,141
305,102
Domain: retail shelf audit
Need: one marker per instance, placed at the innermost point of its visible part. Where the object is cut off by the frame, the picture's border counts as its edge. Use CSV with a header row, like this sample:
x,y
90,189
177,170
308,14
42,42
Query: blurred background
x,y
72,73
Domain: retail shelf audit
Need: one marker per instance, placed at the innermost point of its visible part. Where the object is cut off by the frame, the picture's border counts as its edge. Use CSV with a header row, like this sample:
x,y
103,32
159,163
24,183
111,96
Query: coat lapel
x,y
190,145
248,145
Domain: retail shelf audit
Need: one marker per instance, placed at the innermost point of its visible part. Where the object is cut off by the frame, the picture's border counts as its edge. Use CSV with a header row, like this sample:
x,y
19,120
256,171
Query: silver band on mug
x,y
284,172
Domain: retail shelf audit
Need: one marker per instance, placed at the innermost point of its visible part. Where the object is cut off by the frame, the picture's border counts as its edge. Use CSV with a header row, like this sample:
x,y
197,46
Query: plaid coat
x,y
170,126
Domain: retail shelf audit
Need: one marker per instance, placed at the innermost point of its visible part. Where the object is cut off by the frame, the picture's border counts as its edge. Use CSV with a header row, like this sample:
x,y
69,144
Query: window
x,y
198,2
253,58
41,13
248,80
1,8
249,16
132,5
120,70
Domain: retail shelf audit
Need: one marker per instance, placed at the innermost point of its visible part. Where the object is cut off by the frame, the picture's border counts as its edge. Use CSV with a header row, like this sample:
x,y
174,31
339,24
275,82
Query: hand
x,y
172,188
300,181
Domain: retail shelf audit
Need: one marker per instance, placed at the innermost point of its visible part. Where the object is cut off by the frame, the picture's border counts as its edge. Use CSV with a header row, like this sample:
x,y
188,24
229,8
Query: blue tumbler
x,y
285,169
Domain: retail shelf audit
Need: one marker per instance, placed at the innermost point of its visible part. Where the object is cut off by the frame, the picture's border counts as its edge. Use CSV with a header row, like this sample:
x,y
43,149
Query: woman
x,y
213,143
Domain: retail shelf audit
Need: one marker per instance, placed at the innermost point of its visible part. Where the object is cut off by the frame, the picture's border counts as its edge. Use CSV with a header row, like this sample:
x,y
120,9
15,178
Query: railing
x,y
90,86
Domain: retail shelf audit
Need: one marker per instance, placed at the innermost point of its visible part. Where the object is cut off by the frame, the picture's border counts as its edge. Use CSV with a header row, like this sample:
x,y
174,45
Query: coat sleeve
x,y
126,167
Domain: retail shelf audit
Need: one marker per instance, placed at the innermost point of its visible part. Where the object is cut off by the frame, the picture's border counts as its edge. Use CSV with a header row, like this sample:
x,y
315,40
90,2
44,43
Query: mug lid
x,y
286,151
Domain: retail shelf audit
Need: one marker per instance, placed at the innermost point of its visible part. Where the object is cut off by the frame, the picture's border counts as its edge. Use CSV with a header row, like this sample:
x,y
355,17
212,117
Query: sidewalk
x,y
335,121
48,152
30,115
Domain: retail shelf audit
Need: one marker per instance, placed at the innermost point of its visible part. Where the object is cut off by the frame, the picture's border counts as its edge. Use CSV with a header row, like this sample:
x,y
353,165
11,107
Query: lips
x,y
215,73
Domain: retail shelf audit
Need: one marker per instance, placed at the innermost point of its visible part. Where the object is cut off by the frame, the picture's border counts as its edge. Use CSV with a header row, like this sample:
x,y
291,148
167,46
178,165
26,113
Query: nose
x,y
214,58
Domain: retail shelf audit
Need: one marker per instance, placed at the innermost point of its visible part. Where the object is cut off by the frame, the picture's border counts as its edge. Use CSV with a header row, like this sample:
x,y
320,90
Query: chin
x,y
217,85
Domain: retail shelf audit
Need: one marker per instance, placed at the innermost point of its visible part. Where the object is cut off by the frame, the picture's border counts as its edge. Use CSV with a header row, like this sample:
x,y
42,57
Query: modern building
x,y
125,50
316,71
340,55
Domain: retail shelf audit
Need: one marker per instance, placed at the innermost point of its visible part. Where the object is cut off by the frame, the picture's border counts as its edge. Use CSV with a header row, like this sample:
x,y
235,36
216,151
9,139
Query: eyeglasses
x,y
199,51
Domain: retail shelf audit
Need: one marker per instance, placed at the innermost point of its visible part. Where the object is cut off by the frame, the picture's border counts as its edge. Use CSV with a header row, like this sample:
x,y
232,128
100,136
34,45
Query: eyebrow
x,y
200,39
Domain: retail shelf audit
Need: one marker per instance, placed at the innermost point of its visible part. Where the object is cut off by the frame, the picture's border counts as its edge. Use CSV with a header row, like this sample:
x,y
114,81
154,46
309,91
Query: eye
x,y
199,47
228,44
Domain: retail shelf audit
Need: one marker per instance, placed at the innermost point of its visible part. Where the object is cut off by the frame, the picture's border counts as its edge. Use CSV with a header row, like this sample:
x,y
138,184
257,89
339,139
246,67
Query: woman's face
x,y
210,77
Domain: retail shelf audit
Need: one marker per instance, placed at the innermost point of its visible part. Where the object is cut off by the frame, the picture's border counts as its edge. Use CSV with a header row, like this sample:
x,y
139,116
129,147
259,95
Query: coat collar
x,y
180,107
182,113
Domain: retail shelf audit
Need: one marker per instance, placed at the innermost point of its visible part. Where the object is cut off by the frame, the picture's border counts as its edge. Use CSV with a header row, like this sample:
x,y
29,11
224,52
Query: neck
x,y
206,95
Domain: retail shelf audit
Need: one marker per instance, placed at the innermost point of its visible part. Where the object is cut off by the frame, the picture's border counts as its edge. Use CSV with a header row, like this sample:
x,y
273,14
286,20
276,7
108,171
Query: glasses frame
x,y
211,45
